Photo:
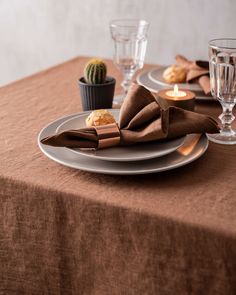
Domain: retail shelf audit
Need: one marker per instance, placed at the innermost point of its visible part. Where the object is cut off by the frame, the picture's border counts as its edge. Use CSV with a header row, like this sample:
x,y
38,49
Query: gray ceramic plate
x,y
132,153
194,146
156,74
144,79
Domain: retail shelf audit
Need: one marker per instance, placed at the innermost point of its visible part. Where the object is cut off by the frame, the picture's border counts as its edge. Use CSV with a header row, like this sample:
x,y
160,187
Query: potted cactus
x,y
96,88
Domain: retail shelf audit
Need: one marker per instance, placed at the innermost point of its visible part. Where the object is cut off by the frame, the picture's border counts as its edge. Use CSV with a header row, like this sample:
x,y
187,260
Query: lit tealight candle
x,y
176,93
184,99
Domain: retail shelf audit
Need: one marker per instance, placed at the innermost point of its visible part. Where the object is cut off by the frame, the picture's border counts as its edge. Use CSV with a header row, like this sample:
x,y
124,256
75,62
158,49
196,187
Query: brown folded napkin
x,y
142,119
198,70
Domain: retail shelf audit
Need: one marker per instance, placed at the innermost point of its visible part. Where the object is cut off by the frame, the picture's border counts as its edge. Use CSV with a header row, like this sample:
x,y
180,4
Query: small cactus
x,y
95,72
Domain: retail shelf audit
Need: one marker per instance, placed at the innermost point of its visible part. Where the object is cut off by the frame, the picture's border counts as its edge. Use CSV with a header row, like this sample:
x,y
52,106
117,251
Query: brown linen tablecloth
x,y
64,231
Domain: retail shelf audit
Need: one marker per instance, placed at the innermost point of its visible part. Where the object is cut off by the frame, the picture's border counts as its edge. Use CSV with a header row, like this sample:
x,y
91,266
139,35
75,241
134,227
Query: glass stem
x,y
227,117
127,81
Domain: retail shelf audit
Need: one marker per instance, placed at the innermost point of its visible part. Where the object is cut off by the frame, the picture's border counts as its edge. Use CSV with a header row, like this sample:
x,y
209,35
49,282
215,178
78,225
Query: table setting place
x,y
118,174
152,126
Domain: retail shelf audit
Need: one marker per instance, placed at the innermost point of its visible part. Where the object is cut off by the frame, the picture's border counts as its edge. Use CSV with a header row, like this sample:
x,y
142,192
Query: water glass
x,y
222,54
130,41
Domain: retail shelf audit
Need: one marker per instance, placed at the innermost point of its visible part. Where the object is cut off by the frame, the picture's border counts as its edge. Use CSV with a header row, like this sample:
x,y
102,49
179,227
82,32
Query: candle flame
x,y
176,89
176,94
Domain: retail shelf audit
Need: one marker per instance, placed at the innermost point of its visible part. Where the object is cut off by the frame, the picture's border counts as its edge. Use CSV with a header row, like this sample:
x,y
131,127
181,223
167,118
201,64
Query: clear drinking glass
x,y
222,54
130,40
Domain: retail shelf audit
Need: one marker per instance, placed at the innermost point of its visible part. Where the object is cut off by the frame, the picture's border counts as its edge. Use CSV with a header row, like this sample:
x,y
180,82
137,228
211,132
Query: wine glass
x,y
222,54
130,41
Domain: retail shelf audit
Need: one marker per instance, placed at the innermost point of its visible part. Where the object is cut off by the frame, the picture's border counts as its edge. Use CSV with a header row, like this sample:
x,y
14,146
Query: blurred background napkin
x,y
196,70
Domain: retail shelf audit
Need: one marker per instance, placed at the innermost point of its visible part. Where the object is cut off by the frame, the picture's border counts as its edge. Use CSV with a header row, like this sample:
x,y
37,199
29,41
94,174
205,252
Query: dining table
x,y
67,231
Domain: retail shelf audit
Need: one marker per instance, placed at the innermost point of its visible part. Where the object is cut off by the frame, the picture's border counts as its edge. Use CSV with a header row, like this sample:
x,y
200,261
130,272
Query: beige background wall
x,y
36,34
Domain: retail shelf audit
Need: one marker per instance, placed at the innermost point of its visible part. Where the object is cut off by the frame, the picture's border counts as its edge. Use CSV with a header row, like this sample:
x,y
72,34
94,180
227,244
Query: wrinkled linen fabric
x,y
65,231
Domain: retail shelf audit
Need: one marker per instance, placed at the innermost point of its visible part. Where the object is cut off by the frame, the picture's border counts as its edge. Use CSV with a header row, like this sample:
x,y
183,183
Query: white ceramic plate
x,y
193,147
144,80
132,153
156,74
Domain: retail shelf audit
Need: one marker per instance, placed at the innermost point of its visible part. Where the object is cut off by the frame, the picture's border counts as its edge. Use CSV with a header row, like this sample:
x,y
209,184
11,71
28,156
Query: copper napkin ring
x,y
108,135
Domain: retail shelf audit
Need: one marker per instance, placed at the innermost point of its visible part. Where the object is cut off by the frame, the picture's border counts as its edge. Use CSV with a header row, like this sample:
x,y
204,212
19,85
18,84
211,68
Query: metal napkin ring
x,y
108,135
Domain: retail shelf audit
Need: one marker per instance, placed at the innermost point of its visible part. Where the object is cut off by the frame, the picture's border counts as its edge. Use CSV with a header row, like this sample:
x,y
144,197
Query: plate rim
x,y
142,73
123,159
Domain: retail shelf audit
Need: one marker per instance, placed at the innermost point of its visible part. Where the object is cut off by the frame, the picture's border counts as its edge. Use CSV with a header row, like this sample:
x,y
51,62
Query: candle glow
x,y
175,93
184,99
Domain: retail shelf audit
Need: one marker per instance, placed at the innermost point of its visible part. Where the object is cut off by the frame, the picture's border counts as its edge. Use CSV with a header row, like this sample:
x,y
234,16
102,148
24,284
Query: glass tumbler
x,y
222,55
130,41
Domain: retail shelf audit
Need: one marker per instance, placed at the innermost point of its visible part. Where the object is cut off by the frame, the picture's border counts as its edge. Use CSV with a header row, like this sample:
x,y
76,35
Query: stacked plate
x,y
153,80
138,159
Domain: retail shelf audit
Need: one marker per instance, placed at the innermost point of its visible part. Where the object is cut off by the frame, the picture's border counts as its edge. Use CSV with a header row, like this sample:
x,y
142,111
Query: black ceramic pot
x,y
97,96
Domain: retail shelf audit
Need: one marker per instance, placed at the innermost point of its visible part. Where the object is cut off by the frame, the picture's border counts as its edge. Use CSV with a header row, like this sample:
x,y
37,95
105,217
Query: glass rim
x,y
134,22
212,45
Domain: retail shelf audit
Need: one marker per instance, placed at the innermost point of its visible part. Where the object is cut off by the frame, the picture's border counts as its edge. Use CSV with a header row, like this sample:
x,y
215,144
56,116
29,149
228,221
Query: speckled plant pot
x,y
97,96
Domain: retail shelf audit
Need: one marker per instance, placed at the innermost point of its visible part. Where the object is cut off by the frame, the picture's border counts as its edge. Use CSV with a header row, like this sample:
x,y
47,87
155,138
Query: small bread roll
x,y
99,117
175,74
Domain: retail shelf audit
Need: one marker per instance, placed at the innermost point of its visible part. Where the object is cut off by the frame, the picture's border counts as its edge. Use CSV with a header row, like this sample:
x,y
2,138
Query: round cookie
x,y
175,74
99,117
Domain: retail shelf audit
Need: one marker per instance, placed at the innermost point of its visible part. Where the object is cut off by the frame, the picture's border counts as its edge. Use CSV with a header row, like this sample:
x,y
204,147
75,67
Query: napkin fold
x,y
142,119
196,70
